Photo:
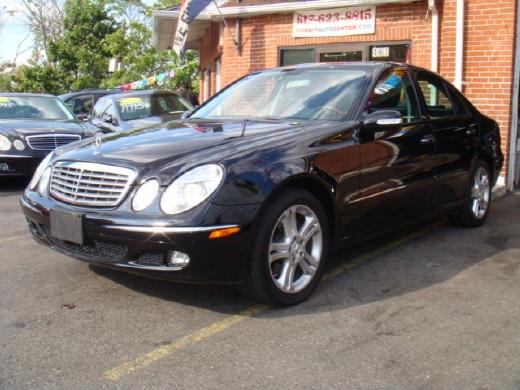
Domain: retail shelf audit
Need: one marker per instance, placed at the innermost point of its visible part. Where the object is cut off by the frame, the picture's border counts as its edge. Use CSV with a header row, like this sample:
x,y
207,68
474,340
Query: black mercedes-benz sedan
x,y
31,126
253,187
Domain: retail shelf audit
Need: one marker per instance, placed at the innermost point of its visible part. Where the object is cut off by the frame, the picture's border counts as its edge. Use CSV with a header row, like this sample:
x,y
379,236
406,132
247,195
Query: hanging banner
x,y
189,11
334,22
158,80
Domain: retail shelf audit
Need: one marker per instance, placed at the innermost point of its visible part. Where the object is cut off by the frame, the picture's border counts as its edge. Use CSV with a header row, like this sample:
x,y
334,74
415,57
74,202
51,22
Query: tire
x,y
477,198
286,264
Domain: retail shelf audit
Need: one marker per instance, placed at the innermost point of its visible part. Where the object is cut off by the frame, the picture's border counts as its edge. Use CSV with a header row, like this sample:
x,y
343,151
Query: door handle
x,y
471,130
427,139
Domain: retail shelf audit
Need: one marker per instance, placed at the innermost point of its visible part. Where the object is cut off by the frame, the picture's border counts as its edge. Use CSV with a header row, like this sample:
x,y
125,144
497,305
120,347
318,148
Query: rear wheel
x,y
288,251
477,200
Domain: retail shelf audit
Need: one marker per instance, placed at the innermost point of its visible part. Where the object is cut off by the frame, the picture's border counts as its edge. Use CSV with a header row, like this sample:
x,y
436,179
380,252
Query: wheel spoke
x,y
308,264
278,250
309,229
287,276
289,223
475,207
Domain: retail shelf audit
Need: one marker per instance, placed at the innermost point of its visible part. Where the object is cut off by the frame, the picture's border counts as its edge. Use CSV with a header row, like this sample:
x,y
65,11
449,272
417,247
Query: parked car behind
x,y
132,110
31,126
82,102
256,183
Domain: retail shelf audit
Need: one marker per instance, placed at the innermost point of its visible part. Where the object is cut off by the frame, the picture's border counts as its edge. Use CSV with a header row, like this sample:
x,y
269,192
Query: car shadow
x,y
392,265
13,185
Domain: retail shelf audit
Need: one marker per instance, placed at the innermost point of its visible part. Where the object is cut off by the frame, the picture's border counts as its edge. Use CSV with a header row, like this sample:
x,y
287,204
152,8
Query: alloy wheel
x,y
295,249
480,193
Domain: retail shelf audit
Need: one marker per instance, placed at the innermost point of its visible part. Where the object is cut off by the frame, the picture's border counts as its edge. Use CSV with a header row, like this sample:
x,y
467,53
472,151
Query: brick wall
x,y
489,44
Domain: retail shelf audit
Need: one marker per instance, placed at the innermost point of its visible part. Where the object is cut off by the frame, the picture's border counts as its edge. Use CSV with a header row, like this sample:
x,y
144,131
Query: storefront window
x,y
296,56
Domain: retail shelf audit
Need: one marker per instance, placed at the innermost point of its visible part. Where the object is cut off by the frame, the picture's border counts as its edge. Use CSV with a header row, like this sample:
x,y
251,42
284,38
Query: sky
x,y
15,31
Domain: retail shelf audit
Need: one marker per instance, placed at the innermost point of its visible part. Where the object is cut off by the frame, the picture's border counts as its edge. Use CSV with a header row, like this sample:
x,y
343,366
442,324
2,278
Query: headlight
x,y
145,195
38,173
44,181
5,144
191,189
18,145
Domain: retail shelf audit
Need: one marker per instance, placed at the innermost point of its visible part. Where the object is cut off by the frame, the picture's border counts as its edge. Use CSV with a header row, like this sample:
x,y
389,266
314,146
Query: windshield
x,y
325,94
140,107
33,107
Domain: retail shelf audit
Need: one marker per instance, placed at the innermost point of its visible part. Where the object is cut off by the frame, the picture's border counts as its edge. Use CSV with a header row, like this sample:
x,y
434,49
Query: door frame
x,y
342,46
514,142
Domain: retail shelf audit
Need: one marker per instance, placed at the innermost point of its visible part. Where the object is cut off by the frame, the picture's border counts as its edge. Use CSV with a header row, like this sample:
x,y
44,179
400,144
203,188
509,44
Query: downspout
x,y
459,45
513,132
435,35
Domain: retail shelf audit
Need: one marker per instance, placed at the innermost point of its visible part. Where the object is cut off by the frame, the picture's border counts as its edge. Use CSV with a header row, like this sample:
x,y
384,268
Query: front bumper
x,y
141,246
18,164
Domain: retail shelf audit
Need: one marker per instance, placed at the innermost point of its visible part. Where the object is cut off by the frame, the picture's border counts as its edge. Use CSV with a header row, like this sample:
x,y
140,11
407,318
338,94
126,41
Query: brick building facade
x,y
258,34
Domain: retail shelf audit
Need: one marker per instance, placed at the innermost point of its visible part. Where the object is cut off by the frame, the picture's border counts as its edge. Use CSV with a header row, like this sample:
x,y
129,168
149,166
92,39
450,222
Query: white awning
x,y
165,21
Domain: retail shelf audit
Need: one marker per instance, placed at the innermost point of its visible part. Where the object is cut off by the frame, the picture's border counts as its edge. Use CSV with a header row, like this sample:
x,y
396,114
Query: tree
x,y
2,22
45,21
91,32
132,44
81,54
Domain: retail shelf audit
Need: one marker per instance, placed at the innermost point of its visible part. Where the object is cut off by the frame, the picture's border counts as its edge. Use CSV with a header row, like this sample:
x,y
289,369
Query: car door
x,y
396,159
456,132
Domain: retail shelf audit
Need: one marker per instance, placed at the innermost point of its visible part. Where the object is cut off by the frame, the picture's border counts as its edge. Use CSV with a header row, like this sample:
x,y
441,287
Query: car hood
x,y
163,149
26,127
152,120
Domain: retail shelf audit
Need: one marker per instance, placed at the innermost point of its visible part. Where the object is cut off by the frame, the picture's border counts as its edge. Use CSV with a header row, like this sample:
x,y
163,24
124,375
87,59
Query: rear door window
x,y
438,101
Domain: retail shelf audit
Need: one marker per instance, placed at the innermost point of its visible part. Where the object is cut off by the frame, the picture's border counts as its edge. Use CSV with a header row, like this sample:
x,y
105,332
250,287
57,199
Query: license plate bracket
x,y
67,226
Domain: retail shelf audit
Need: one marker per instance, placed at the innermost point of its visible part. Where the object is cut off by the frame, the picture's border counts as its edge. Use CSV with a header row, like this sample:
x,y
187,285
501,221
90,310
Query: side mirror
x,y
383,118
82,116
186,114
107,118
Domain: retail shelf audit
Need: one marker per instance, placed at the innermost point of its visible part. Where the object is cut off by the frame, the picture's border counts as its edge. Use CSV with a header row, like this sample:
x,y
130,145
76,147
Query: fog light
x,y
18,145
4,167
177,259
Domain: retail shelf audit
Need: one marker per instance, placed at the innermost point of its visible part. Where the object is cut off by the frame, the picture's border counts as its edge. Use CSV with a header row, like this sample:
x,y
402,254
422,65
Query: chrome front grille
x,y
50,141
90,184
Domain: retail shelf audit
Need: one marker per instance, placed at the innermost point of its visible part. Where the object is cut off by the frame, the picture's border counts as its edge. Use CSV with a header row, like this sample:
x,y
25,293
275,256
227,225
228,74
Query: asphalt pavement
x,y
427,307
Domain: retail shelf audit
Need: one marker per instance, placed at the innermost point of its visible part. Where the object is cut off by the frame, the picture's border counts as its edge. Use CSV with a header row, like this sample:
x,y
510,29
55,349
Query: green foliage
x,y
95,31
38,78
81,54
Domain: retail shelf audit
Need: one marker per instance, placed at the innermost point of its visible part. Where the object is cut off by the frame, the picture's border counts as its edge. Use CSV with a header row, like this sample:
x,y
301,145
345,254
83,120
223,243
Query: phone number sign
x,y
334,22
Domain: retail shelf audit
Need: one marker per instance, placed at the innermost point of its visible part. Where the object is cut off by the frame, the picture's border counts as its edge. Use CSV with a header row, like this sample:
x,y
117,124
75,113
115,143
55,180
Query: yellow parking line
x,y
161,352
124,369
13,238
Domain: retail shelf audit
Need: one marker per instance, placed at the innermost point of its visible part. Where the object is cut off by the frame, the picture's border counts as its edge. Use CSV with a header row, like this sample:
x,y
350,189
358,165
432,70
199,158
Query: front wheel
x,y
289,249
477,199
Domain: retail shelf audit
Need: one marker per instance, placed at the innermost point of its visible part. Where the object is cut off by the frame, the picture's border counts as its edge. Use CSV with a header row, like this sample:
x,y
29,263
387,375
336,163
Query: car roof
x,y
20,94
371,66
146,92
69,95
